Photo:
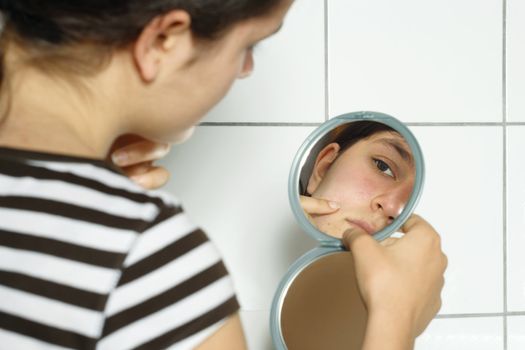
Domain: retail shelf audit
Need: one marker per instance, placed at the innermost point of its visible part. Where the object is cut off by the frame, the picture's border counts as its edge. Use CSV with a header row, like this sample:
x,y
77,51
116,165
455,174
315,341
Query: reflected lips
x,y
365,226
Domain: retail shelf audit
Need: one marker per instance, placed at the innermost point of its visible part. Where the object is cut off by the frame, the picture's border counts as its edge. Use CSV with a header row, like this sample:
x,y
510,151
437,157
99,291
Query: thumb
x,y
360,243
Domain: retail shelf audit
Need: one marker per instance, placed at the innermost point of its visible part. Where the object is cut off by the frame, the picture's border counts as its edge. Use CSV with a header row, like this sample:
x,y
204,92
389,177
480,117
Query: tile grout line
x,y
504,115
454,123
326,87
426,124
257,124
439,316
493,314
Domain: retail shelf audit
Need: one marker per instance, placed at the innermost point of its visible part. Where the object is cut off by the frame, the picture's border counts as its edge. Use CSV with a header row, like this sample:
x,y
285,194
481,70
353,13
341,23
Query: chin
x,y
330,230
183,136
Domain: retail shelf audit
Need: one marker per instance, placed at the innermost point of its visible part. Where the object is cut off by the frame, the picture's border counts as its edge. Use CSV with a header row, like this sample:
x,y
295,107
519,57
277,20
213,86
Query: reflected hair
x,y
346,135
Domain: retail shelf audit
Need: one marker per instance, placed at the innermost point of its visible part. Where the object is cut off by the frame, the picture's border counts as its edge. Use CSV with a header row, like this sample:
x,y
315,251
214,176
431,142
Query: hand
x,y
135,156
316,206
400,282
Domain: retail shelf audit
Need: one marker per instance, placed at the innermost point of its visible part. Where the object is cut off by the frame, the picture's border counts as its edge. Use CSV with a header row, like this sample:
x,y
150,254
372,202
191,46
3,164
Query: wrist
x,y
388,330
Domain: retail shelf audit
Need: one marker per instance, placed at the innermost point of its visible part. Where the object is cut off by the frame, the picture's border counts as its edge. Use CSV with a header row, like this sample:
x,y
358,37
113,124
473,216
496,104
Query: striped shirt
x,y
89,260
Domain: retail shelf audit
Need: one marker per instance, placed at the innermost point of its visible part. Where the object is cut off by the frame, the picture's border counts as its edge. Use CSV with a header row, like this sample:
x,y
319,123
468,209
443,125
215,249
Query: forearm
x,y
388,332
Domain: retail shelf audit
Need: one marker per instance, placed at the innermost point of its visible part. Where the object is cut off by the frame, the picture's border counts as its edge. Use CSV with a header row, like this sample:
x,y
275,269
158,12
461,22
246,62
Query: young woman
x,y
90,260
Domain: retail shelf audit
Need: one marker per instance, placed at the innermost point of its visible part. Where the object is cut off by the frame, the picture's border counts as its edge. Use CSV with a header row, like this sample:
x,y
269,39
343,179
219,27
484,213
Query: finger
x,y
413,221
360,243
124,140
416,225
318,206
138,169
154,178
139,152
389,241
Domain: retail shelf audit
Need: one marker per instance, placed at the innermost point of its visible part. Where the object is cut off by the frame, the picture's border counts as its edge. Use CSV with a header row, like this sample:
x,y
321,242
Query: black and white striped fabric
x,y
89,260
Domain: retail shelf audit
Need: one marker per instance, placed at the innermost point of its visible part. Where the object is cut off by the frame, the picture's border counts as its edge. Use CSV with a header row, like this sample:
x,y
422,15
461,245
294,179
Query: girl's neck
x,y
50,115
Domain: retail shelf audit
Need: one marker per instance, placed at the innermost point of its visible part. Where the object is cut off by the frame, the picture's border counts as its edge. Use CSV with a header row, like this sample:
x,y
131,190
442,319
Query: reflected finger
x,y
318,206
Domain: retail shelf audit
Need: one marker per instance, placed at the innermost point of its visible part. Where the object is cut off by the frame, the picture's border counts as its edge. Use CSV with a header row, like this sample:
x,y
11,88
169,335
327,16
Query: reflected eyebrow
x,y
399,147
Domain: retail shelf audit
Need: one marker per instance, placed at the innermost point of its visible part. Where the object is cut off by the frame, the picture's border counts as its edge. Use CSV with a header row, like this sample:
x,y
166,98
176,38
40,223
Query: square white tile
x,y
515,218
256,327
515,60
462,199
421,61
516,333
288,83
233,183
463,334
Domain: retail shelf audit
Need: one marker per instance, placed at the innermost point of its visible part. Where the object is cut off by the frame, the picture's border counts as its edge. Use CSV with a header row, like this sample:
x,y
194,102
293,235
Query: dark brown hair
x,y
50,27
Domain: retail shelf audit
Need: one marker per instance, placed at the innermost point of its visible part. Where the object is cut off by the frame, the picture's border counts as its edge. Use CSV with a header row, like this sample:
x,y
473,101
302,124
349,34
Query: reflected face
x,y
372,180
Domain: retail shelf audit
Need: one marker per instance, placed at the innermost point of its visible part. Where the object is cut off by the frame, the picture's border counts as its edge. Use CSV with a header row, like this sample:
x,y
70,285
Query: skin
x,y
370,181
158,88
400,281
152,94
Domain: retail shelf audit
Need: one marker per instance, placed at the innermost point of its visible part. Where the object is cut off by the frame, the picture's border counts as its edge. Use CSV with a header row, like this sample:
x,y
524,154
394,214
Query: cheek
x,y
333,224
183,136
406,191
349,190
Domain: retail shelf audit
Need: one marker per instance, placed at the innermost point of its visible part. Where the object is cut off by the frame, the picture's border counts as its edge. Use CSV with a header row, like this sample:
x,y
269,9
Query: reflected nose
x,y
247,66
391,203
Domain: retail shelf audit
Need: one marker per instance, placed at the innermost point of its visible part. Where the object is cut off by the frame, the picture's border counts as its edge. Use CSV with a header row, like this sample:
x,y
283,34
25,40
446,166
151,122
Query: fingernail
x,y
334,205
139,180
119,158
161,152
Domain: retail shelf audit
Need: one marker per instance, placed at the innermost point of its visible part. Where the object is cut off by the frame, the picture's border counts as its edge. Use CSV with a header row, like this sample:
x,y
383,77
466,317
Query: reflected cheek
x,y
405,191
351,194
332,224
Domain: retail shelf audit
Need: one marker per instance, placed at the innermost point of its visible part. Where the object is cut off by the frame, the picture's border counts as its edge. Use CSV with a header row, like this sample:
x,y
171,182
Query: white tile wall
x,y
463,334
516,218
288,83
422,61
233,183
429,63
516,60
463,200
516,333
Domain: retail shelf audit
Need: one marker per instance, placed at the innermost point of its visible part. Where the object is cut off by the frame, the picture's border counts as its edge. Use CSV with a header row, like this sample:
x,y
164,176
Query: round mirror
x,y
369,164
323,308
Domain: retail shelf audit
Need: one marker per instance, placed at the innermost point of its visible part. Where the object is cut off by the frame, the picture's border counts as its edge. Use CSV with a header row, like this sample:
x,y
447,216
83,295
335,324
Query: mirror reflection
x,y
366,168
332,317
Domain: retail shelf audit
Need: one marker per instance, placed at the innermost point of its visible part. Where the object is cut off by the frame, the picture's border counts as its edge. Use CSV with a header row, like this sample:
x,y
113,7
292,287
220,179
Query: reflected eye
x,y
383,167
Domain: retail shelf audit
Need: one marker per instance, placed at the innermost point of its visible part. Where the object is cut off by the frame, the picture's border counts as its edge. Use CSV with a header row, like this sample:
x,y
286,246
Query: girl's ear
x,y
324,160
163,35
